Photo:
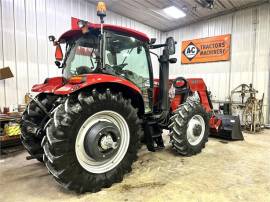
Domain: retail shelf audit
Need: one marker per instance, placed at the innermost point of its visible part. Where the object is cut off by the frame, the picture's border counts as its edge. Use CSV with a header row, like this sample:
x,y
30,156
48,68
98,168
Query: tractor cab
x,y
122,55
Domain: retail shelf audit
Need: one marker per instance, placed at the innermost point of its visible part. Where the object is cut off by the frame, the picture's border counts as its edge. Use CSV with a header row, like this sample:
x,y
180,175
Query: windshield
x,y
126,56
82,56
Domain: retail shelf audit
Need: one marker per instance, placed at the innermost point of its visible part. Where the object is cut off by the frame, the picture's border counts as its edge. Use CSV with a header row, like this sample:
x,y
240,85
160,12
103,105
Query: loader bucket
x,y
230,127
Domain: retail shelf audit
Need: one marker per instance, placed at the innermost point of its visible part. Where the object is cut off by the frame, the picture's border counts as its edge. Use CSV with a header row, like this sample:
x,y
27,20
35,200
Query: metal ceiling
x,y
148,11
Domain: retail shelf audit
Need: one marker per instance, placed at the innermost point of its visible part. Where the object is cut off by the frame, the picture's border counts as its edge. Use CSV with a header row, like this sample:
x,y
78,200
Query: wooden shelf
x,y
9,118
6,140
9,141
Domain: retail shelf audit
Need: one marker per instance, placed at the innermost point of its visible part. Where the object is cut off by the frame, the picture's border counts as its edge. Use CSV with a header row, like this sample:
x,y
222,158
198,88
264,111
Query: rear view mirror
x,y
170,45
58,53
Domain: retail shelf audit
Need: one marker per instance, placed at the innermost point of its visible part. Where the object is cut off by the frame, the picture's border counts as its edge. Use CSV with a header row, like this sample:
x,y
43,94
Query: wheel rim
x,y
195,130
102,166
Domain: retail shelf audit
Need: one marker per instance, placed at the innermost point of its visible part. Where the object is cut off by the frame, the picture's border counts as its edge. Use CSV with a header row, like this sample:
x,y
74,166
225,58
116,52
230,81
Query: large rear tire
x,y
189,128
75,153
32,124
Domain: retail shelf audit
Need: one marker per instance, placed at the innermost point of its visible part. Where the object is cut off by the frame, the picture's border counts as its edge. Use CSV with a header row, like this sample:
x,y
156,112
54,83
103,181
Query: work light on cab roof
x,y
101,10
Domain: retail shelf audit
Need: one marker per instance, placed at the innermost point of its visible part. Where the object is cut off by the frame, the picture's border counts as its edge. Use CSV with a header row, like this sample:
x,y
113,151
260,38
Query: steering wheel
x,y
183,84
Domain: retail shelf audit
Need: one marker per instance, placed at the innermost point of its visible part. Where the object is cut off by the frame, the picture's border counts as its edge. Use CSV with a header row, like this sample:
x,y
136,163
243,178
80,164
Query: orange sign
x,y
209,49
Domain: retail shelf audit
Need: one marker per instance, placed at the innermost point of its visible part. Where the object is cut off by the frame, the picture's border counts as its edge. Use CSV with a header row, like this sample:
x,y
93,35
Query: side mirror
x,y
51,38
58,53
58,64
170,45
173,60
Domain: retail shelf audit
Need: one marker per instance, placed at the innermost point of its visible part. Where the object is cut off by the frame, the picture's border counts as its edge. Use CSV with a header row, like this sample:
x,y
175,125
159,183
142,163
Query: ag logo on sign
x,y
191,51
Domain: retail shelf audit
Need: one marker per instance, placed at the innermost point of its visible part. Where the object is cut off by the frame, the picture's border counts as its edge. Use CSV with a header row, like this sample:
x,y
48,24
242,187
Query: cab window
x,y
127,56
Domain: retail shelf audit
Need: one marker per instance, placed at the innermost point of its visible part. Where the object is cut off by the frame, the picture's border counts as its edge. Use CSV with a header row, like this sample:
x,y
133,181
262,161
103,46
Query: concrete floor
x,y
234,171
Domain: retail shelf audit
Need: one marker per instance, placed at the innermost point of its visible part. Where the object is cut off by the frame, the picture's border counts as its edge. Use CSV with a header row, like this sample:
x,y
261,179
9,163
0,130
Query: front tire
x,y
189,128
79,153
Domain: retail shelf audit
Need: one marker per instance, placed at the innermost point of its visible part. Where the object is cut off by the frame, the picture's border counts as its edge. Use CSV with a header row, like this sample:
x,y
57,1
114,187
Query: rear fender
x,y
49,85
104,81
93,79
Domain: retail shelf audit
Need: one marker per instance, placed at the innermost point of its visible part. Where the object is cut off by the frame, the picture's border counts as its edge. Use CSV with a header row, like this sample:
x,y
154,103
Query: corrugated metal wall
x,y
24,45
250,52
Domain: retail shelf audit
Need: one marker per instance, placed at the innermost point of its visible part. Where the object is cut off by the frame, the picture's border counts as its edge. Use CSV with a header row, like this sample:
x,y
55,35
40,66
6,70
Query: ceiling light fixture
x,y
174,12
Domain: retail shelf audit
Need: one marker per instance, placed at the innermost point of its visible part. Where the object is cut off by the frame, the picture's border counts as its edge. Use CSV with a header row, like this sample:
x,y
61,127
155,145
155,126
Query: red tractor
x,y
87,126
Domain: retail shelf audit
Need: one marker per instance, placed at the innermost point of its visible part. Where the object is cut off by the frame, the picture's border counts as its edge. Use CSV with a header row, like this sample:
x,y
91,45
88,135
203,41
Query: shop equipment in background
x,y
250,107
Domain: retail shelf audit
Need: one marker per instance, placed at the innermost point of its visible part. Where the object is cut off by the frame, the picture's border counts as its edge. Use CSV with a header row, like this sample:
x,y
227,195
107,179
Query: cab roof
x,y
75,32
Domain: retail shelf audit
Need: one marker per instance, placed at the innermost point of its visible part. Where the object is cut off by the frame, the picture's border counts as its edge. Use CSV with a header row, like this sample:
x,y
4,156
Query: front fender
x,y
92,79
